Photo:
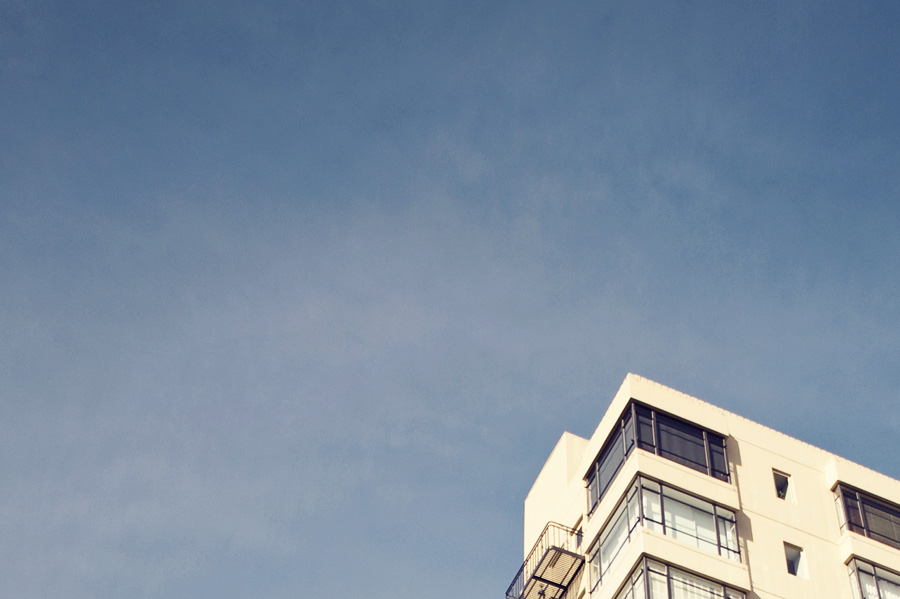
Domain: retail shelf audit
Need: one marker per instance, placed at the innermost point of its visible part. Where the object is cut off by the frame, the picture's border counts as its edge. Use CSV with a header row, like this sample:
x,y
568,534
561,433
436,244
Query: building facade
x,y
674,498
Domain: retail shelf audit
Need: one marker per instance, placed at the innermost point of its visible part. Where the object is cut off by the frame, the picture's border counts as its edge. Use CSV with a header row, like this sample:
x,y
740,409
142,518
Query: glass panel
x,y
839,506
681,442
634,510
671,583
687,499
593,492
887,582
781,484
645,429
794,557
652,512
610,462
888,589
628,427
638,582
655,566
650,484
869,588
728,536
626,593
854,518
872,582
659,587
619,444
690,520
614,538
719,466
688,586
854,579
594,559
883,523
634,587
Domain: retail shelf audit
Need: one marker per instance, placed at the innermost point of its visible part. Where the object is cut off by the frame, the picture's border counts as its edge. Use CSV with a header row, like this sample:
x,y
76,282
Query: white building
x,y
672,497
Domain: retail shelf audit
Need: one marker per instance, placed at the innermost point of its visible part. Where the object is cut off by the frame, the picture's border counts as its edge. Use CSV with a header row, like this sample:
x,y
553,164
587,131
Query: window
x,y
689,519
658,580
658,433
612,456
681,442
782,484
615,537
668,511
579,533
796,564
869,581
868,515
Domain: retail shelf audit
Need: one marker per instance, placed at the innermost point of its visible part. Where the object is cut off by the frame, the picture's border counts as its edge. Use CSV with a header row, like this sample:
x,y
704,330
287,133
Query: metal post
x,y
716,525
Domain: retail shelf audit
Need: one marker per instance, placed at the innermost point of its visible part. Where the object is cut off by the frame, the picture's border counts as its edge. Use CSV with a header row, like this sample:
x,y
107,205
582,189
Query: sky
x,y
297,297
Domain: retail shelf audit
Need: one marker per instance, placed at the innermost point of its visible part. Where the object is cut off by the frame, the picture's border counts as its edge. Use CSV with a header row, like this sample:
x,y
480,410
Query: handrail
x,y
553,535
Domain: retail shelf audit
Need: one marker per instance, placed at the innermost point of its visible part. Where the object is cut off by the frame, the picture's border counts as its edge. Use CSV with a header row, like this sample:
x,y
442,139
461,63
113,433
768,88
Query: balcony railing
x,y
550,567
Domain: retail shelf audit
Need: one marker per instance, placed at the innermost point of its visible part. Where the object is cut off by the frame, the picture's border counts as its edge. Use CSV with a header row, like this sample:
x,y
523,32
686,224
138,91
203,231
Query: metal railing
x,y
554,535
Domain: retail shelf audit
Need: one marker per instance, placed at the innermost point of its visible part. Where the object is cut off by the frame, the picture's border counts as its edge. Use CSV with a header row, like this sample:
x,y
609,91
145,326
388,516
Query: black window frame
x,y
647,566
858,507
877,572
640,426
632,508
616,449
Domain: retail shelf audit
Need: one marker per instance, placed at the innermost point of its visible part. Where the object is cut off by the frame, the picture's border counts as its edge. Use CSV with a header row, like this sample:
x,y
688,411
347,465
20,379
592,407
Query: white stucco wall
x,y
807,518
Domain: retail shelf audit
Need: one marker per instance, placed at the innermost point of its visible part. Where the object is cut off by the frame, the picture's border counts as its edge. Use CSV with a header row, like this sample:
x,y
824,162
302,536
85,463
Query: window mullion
x,y
641,499
858,581
671,590
706,453
646,576
716,526
862,513
662,508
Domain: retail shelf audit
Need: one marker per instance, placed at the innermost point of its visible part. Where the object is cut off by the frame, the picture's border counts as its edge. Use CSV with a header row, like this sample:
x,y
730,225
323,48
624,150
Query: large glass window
x,y
666,510
868,515
682,442
873,582
659,433
663,581
612,456
615,536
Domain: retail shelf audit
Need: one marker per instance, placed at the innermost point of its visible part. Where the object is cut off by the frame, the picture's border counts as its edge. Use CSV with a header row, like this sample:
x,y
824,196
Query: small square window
x,y
782,484
796,564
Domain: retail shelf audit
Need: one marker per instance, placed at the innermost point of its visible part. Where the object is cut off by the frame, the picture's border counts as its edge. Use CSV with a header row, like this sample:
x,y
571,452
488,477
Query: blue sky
x,y
297,296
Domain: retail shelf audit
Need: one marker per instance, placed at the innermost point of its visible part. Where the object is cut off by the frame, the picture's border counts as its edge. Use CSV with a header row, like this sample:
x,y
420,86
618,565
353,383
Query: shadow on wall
x,y
745,530
575,585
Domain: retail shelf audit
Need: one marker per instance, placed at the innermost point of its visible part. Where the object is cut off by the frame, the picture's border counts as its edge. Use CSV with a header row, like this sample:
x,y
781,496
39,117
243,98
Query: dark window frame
x,y
648,565
616,449
794,560
639,426
856,564
857,508
782,482
637,491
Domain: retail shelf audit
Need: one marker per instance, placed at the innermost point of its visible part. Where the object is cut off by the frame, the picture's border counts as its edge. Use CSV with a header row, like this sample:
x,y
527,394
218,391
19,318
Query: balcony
x,y
550,567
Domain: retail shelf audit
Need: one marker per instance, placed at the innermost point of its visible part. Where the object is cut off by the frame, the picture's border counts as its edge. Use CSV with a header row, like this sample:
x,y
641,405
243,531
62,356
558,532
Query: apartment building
x,y
675,498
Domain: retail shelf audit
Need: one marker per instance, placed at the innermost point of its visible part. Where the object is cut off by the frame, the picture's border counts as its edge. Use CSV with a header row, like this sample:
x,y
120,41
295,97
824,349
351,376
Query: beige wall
x,y
807,518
